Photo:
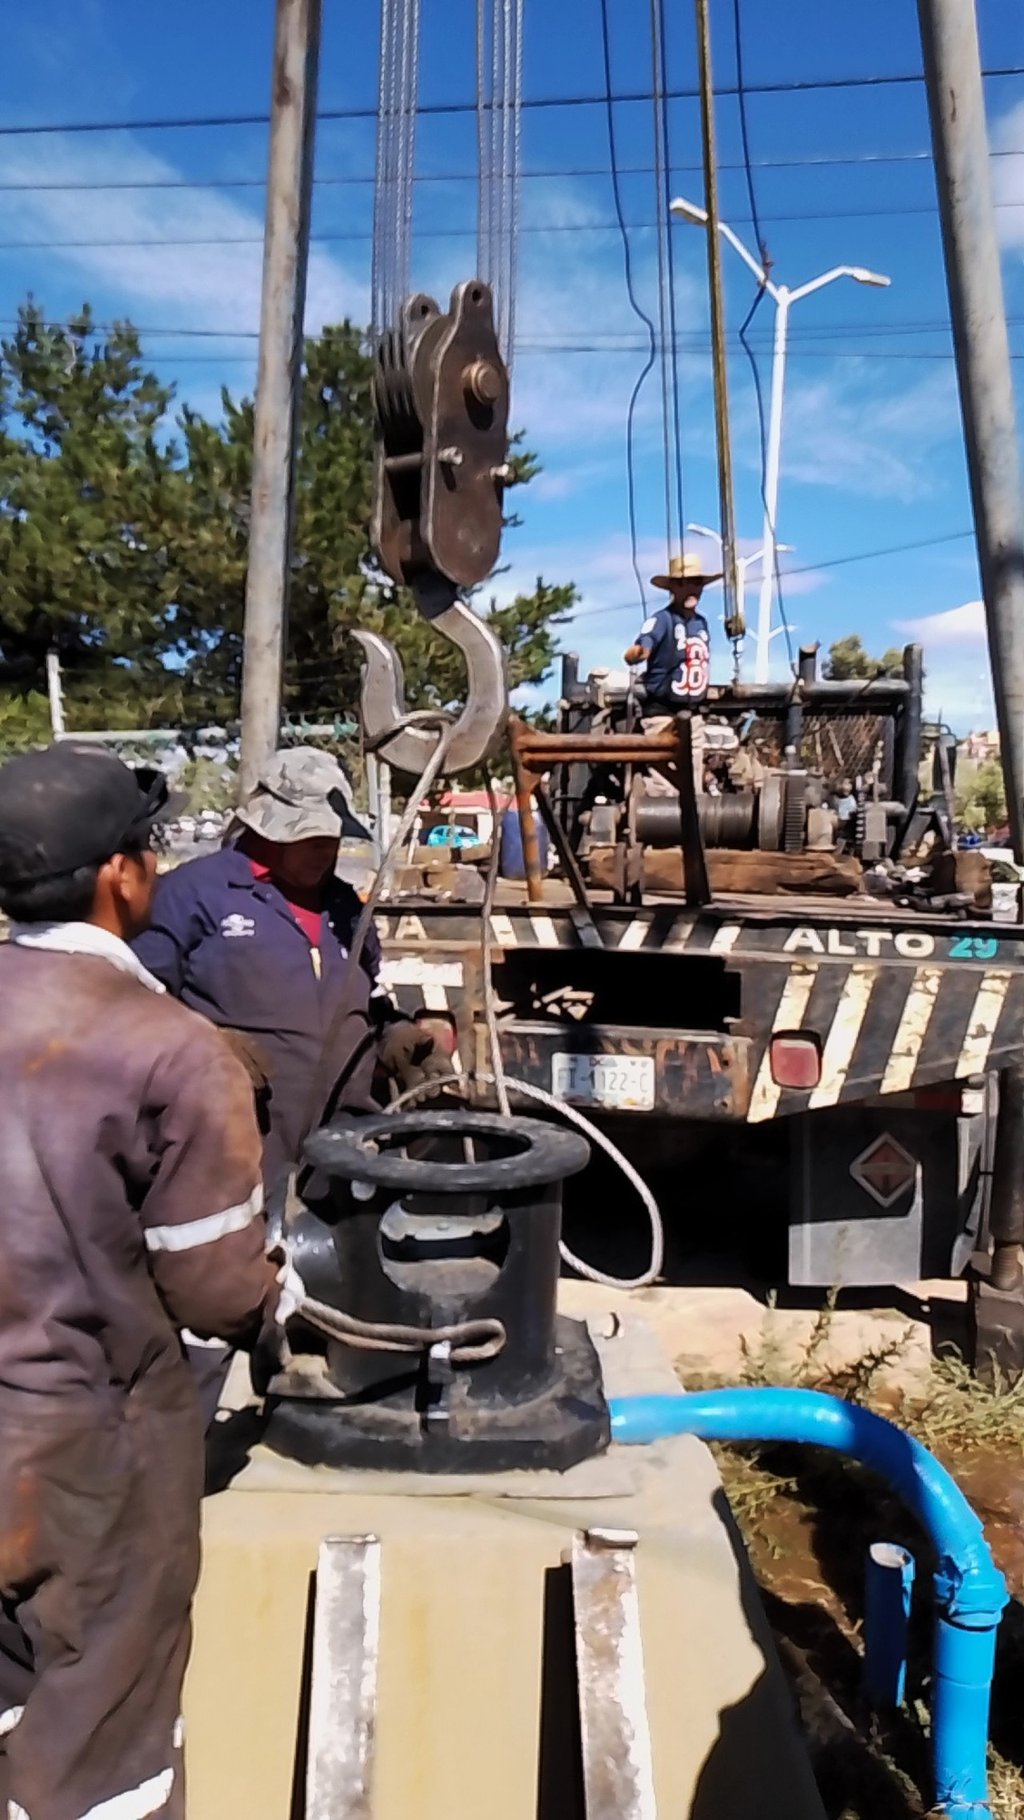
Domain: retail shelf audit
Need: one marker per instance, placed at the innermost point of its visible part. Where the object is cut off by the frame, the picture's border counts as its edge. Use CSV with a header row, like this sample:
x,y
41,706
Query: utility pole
x,y
726,511
55,690
956,104
278,385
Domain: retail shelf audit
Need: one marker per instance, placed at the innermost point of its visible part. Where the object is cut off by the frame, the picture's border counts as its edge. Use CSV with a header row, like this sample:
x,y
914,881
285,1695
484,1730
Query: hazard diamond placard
x,y
884,1170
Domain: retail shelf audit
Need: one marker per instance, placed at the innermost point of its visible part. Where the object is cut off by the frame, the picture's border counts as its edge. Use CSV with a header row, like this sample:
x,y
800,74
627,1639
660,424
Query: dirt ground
x,y
808,1518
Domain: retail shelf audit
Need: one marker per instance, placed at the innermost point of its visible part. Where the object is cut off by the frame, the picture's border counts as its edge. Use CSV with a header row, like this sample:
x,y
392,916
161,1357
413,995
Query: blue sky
x,y
872,453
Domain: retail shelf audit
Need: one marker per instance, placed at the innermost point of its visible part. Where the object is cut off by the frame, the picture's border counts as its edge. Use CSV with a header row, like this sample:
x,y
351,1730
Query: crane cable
x,y
661,340
666,335
397,94
666,165
634,303
499,102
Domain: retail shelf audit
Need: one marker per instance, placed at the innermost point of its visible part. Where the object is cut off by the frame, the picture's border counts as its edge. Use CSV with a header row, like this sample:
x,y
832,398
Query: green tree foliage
x,y
125,548
847,658
981,799
86,564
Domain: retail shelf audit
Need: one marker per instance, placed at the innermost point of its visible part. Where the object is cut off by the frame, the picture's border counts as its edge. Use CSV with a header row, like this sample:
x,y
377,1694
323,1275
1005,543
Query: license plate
x,y
624,1082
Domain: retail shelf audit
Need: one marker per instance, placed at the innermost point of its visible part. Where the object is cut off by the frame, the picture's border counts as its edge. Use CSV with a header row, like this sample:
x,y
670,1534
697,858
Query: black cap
x,y
74,805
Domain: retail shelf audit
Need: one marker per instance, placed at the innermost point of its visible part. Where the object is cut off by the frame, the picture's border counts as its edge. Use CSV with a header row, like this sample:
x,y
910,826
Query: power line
x,y
332,180
358,179
174,123
611,341
357,235
812,568
811,331
539,349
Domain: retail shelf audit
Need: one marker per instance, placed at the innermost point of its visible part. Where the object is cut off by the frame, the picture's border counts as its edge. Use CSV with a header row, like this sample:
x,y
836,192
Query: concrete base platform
x,y
476,1696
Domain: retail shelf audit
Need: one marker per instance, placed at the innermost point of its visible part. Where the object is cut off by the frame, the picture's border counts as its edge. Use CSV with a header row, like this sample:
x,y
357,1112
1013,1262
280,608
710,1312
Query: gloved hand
x,y
271,1354
411,1053
291,1289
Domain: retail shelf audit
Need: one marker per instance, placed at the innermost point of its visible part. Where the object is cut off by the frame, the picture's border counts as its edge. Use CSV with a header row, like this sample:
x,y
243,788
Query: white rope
x,y
482,1078
498,1079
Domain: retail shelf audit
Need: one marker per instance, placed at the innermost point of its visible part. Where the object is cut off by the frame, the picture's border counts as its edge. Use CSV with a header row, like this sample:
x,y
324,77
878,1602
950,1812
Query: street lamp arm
x,y
698,217
856,272
753,265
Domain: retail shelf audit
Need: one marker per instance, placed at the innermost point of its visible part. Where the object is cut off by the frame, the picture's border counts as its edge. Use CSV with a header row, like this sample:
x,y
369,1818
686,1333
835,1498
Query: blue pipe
x,y
970,1592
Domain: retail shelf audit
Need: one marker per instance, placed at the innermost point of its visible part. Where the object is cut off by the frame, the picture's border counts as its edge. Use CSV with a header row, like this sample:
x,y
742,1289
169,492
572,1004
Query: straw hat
x,y
683,568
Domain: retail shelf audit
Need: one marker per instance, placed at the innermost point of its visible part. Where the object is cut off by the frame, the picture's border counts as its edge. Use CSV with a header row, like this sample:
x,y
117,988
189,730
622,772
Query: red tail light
x,y
795,1061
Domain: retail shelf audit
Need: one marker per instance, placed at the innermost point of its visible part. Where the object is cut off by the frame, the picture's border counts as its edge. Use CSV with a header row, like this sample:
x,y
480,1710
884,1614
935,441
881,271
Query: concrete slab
x,y
475,1675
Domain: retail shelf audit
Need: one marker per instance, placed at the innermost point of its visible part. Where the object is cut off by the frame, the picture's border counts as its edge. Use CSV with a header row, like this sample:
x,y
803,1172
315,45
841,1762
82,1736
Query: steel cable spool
x,y
725,821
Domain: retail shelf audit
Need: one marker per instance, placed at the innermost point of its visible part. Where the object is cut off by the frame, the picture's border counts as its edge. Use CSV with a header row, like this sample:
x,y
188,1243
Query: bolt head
x,y
484,382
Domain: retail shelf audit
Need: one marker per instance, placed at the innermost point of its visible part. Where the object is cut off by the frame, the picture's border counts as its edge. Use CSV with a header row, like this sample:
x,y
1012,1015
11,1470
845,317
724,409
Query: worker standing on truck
x,y
675,646
132,1205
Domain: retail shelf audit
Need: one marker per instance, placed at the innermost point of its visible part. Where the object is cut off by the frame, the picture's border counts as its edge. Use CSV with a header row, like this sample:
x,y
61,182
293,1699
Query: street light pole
x,y
772,464
783,299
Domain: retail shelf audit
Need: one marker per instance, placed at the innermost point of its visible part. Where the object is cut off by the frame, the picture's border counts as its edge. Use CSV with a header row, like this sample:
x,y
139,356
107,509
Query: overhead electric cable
x,y
173,123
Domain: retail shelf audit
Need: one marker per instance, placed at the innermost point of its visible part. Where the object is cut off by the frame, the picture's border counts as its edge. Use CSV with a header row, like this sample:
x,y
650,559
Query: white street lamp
x,y
783,299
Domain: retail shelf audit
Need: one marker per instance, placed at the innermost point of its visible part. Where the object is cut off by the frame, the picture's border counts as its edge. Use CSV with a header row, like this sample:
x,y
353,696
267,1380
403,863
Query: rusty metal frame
x,y
536,752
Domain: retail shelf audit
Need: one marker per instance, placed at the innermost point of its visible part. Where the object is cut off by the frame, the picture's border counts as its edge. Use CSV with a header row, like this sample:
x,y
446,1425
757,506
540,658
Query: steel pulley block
x,y
441,397
465,451
398,476
441,400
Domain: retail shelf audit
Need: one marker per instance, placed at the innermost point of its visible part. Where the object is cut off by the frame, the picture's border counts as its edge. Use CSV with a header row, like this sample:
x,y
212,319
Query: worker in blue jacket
x,y
257,936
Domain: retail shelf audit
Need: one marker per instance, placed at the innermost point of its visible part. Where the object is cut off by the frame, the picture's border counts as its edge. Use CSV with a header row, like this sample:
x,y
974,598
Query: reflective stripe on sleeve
x,y
136,1803
190,1233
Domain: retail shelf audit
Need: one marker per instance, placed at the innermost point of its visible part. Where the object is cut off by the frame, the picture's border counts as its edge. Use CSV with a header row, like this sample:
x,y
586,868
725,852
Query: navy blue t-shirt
x,y
678,650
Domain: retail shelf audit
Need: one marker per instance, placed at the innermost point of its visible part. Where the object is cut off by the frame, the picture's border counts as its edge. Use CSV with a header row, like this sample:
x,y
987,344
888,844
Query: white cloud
x,y
958,683
957,627
571,292
214,283
852,431
1008,176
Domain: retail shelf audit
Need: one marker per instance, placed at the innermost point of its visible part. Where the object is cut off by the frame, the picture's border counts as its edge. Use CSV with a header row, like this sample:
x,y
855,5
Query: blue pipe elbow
x,y
970,1592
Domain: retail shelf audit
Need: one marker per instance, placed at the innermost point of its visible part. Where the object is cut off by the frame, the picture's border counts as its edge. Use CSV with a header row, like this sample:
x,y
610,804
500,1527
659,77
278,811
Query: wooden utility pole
x,y
278,386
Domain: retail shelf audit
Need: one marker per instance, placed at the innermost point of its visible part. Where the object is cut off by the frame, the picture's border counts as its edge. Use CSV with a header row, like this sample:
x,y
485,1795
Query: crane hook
x,y
441,396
